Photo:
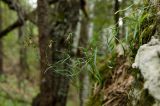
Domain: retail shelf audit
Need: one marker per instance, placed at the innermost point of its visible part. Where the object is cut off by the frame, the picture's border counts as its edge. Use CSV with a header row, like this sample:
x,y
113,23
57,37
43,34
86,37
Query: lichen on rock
x,y
148,61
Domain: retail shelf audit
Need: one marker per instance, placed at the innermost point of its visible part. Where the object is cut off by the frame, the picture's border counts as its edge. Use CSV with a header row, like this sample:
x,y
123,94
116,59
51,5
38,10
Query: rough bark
x,y
63,32
45,96
54,86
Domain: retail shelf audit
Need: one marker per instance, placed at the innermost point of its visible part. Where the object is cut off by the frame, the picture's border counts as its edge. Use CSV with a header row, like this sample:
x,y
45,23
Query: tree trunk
x,y
58,37
1,43
63,32
116,19
83,77
123,27
45,96
1,56
85,33
22,51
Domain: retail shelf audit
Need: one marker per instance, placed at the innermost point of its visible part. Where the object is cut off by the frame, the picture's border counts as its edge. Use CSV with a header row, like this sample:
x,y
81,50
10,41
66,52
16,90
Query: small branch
x,y
12,5
16,7
18,23
10,28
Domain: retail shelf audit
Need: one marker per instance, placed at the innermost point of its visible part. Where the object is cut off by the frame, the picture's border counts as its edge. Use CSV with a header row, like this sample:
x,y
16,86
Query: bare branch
x,y
30,16
11,4
15,6
10,28
19,23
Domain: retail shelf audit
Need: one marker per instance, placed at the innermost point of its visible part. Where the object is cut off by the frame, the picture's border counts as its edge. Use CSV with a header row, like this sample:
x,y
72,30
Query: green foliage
x,y
17,96
95,100
100,57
